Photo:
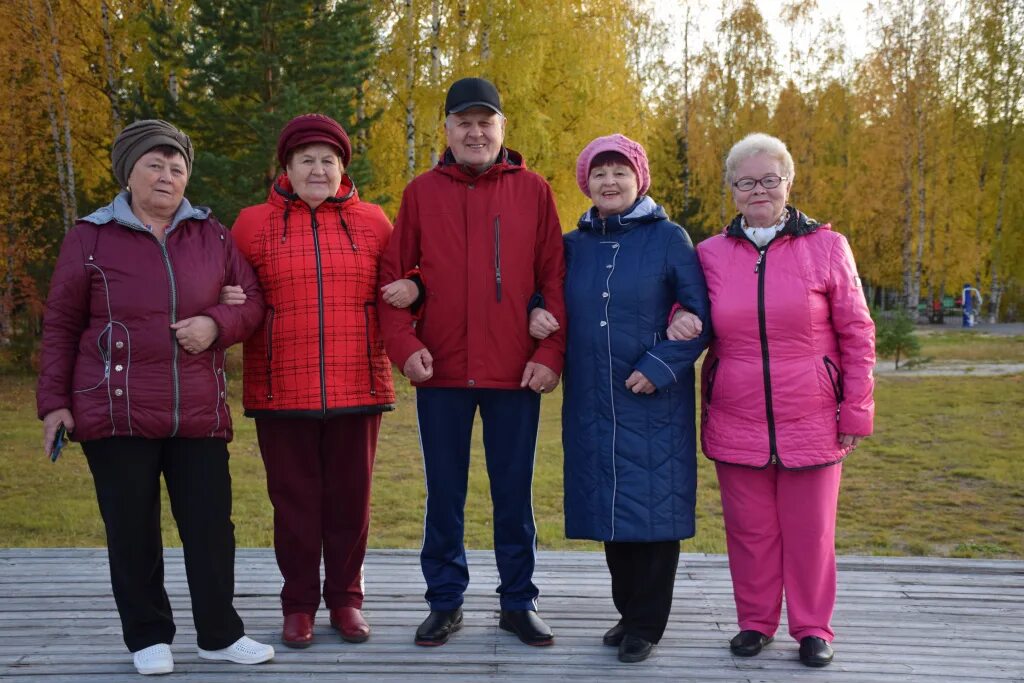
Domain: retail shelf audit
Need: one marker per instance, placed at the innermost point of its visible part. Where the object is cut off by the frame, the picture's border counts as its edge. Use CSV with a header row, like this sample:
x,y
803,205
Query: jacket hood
x,y
644,210
509,161
799,224
120,210
282,194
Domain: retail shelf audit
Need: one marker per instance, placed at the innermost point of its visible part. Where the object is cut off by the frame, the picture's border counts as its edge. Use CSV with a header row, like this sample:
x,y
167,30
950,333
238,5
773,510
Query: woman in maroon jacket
x,y
132,365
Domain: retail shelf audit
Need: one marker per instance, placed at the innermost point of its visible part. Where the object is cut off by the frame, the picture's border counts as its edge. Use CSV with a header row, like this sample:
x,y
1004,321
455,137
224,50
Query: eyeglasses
x,y
769,182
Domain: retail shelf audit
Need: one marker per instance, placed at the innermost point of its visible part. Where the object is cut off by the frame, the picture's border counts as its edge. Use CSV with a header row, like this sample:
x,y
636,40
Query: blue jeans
x,y
510,420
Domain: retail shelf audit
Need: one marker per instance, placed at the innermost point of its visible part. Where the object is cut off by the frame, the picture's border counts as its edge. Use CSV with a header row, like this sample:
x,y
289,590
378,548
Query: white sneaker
x,y
245,650
155,659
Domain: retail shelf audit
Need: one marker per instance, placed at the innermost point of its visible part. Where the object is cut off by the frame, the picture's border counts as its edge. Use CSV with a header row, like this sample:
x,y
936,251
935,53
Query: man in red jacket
x,y
483,233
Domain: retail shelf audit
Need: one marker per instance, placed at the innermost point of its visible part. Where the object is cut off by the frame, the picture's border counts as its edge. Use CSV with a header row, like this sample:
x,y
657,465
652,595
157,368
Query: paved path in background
x,y
950,369
954,325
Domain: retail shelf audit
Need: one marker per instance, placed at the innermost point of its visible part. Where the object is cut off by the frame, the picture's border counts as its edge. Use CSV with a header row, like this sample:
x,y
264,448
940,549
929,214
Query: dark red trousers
x,y
318,476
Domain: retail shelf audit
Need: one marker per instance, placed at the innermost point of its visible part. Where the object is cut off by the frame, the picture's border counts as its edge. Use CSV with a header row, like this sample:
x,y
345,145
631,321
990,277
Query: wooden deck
x,y
898,619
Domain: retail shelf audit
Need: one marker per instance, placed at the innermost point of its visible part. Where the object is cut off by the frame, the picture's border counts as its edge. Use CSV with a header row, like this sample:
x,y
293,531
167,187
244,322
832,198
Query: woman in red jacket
x,y
316,376
132,365
786,396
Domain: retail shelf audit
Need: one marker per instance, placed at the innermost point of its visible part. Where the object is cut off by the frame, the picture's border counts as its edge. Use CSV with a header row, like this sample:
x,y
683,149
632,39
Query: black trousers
x,y
643,578
126,471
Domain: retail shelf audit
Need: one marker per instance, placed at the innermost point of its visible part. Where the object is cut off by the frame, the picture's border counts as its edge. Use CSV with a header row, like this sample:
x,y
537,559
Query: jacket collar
x,y
120,210
644,210
508,161
798,225
282,193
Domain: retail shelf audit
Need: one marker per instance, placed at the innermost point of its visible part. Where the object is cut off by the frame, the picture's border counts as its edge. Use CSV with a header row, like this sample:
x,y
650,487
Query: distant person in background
x,y
786,391
132,364
628,417
317,379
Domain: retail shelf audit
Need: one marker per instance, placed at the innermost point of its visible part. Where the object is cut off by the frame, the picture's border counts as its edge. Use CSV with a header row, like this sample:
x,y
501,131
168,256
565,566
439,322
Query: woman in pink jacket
x,y
786,396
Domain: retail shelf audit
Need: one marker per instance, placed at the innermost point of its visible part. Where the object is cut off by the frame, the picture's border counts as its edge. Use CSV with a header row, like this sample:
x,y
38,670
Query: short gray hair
x,y
751,146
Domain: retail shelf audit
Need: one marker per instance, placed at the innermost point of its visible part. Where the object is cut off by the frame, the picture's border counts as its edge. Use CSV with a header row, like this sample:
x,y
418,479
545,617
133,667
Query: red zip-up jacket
x,y
108,352
484,244
319,351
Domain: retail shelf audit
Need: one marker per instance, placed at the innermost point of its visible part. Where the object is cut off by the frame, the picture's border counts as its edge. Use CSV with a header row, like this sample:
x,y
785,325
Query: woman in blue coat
x,y
628,428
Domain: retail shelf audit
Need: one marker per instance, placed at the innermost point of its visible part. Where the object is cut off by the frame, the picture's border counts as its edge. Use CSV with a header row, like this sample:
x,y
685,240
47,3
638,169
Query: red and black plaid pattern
x,y
320,346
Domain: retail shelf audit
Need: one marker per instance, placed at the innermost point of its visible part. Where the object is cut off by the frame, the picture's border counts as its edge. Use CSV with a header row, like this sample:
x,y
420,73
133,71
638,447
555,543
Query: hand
x,y
539,378
849,440
232,295
542,324
419,367
684,326
50,424
400,293
639,384
195,334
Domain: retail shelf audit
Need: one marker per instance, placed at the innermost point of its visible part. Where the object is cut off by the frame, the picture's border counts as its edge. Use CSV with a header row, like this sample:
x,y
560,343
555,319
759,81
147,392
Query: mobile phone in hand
x,y
60,439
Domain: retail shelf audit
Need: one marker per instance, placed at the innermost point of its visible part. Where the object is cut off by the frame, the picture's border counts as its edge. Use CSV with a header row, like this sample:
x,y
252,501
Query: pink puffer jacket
x,y
793,348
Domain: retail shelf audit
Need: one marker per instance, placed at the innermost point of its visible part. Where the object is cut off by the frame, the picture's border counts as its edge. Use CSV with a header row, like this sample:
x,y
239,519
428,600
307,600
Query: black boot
x,y
815,651
748,643
525,623
438,626
613,636
634,649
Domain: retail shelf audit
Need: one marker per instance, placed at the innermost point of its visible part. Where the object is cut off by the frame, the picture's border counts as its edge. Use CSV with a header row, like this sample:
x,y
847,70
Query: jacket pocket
x,y
369,344
269,331
835,378
712,374
84,372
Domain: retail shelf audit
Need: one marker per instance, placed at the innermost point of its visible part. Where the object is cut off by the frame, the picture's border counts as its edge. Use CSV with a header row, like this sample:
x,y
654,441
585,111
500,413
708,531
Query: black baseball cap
x,y
471,92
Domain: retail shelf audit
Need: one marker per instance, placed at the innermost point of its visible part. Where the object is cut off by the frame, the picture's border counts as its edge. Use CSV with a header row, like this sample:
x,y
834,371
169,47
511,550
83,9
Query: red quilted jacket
x,y
108,353
319,351
793,348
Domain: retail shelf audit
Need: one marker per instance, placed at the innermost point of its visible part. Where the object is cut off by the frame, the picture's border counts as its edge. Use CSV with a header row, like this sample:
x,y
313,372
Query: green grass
x,y
942,476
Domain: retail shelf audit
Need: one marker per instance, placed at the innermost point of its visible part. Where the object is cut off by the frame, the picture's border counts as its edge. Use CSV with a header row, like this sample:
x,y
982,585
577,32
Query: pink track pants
x,y
780,528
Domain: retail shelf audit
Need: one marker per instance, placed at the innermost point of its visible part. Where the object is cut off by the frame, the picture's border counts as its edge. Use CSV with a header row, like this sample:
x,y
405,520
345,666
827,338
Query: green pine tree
x,y
251,66
895,336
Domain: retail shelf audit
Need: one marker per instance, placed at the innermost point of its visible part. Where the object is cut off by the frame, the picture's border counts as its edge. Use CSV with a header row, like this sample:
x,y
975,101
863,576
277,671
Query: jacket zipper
x,y
175,381
319,311
760,268
497,256
270,352
369,346
712,374
836,381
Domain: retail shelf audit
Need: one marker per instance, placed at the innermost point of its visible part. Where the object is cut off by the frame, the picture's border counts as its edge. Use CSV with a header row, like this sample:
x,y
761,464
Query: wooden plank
x,y
898,619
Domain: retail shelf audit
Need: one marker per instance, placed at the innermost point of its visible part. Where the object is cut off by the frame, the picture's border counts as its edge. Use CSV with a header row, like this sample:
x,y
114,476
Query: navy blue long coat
x,y
630,459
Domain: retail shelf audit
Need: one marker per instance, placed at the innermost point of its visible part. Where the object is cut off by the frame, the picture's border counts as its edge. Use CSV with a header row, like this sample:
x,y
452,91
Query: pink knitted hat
x,y
633,151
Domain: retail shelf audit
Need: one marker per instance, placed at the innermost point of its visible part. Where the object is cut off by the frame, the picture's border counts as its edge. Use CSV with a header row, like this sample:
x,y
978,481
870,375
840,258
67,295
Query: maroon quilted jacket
x,y
108,353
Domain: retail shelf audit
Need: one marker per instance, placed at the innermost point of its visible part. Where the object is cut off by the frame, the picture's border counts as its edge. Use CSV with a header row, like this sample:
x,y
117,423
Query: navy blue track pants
x,y
510,420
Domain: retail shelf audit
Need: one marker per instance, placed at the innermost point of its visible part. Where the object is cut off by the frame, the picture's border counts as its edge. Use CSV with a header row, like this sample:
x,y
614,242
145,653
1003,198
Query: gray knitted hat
x,y
138,138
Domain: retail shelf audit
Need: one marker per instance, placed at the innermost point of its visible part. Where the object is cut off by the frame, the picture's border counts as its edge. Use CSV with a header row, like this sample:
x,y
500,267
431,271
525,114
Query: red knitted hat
x,y
311,128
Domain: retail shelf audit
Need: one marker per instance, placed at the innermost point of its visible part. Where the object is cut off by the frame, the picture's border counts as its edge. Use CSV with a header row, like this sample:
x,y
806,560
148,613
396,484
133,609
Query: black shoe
x,y
815,651
438,626
527,625
748,643
613,636
634,649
